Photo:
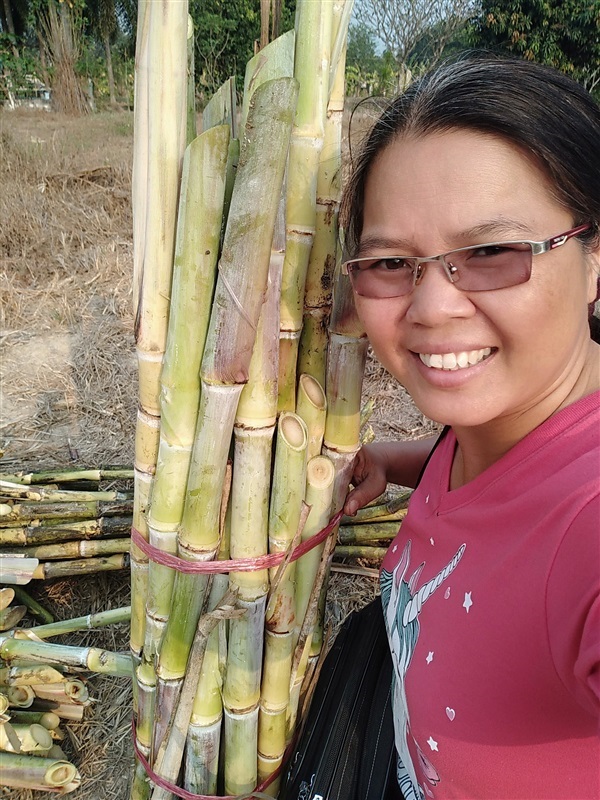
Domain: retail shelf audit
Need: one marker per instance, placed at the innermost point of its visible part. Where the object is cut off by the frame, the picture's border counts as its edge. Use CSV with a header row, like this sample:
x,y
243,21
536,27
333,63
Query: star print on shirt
x,y
432,743
429,658
432,541
394,548
467,602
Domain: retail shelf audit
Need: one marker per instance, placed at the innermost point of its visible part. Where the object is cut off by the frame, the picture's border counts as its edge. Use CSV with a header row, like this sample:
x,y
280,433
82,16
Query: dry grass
x,y
68,376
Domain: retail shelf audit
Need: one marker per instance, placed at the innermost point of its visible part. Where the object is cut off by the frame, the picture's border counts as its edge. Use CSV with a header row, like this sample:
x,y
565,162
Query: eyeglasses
x,y
479,268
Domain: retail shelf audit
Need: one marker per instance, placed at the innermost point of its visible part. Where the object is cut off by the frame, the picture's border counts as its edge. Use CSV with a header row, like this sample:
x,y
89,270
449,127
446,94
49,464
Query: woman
x,y
491,590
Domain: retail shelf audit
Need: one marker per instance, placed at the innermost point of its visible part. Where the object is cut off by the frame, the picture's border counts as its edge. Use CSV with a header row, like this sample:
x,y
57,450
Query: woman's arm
x,y
381,463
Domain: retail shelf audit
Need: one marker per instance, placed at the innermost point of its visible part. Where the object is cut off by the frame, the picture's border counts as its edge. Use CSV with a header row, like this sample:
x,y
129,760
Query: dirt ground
x,y
68,372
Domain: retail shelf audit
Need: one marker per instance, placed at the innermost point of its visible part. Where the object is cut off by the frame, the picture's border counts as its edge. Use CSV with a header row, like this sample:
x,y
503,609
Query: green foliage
x,y
225,32
564,34
366,72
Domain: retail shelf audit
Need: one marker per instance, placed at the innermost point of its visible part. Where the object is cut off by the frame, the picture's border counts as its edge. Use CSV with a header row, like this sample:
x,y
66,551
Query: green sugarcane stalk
x,y
311,67
51,495
112,616
311,406
238,301
190,126
11,616
17,570
319,280
77,549
71,475
196,253
7,595
33,607
30,675
170,754
47,719
79,566
161,74
367,533
90,658
360,551
47,532
31,738
30,510
392,509
31,772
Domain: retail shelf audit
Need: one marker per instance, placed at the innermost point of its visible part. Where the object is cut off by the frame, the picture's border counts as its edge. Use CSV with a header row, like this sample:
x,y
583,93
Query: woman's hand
x,y
369,477
381,463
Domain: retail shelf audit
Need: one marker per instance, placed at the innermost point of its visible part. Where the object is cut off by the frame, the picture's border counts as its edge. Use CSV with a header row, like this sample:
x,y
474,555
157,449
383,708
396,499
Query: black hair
x,y
543,112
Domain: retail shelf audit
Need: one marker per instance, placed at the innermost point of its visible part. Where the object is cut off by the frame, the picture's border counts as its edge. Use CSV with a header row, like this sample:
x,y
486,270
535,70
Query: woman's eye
x,y
490,250
390,264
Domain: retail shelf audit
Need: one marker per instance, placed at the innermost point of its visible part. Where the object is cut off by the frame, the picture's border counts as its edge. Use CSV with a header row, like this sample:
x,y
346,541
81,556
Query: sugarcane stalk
x,y
318,291
80,566
360,551
368,533
47,719
221,108
32,738
48,495
276,60
7,595
9,741
19,696
190,127
204,732
34,608
112,616
311,68
311,406
254,428
32,511
25,772
225,365
91,658
286,522
11,616
71,475
196,253
170,754
48,532
17,570
162,76
30,675
76,549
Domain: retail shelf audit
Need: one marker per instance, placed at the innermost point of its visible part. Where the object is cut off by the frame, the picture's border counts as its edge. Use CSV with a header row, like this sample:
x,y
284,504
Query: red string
x,y
176,790
236,565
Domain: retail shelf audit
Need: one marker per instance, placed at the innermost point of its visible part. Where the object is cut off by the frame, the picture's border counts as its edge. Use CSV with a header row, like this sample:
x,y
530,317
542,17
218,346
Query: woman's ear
x,y
594,275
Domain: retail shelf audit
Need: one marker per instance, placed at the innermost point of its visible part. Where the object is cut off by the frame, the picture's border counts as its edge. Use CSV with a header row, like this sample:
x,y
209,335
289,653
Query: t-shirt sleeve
x,y
573,607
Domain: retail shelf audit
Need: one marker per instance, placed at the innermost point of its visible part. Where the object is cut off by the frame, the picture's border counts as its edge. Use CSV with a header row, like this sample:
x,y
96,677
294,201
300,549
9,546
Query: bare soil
x,y
68,392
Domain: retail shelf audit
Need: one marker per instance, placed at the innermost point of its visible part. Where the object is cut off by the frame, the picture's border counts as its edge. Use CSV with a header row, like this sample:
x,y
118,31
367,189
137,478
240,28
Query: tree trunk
x,y
265,7
43,60
11,26
109,71
275,18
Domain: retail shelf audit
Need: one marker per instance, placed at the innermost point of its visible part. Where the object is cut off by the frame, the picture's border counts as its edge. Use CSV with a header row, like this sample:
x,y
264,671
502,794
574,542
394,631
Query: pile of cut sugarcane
x,y
52,525
249,398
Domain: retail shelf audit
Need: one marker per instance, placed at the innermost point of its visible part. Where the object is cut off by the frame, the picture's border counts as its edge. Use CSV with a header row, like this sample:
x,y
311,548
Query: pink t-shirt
x,y
492,600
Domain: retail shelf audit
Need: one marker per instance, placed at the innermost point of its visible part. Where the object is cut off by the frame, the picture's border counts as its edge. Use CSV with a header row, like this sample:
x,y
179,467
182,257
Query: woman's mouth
x,y
455,361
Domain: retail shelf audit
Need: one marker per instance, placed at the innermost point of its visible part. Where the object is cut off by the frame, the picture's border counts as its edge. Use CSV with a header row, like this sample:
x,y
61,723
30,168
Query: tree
x,y
401,24
564,34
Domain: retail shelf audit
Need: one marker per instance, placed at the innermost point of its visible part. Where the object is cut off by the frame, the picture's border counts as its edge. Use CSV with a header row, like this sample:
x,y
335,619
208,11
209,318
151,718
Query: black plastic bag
x,y
346,748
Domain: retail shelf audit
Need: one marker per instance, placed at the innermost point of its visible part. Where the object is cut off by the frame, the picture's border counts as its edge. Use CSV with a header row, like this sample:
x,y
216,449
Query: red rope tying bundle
x,y
213,568
239,565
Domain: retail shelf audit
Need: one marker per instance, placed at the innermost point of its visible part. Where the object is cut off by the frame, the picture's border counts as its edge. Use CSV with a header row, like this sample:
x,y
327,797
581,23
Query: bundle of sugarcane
x,y
44,527
229,364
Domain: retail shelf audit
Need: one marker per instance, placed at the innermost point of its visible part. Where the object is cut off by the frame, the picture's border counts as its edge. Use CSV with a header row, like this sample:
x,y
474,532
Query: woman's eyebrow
x,y
490,229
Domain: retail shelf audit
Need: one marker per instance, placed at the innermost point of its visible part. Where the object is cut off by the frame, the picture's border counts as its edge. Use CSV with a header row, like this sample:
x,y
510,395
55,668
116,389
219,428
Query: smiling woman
x,y
491,591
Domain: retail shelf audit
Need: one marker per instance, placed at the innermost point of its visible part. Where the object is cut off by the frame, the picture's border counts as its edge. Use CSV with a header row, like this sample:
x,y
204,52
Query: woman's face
x,y
529,343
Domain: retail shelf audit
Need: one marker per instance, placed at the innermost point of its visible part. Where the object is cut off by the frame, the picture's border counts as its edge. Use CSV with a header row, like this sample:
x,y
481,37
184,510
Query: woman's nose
x,y
435,299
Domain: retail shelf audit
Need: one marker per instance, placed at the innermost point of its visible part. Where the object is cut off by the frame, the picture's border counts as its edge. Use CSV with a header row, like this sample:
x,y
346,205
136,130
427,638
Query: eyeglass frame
x,y
537,248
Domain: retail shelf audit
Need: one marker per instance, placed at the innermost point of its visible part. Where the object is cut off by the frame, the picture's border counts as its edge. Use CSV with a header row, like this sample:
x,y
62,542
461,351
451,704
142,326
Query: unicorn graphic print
x,y
403,601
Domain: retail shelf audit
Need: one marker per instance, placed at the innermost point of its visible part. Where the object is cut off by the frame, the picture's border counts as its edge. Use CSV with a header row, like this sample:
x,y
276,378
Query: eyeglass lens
x,y
477,269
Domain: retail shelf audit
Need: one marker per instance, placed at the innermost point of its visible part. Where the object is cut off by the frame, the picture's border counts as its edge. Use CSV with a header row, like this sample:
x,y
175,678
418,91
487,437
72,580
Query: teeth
x,y
454,361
